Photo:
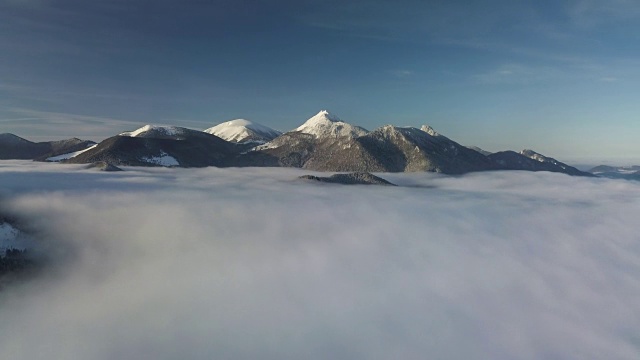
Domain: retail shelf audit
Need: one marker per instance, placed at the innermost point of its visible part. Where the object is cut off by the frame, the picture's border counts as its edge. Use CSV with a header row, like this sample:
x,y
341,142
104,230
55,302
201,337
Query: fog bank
x,y
254,264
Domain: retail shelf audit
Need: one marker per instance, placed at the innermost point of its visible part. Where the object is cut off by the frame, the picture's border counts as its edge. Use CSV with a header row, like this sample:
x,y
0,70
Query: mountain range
x,y
322,143
617,172
15,147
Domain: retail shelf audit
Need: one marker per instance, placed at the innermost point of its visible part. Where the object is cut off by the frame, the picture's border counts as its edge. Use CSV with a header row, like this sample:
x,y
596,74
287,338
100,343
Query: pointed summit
x,y
325,115
325,124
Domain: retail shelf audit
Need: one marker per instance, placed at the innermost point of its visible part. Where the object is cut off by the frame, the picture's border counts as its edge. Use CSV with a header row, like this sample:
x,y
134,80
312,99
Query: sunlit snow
x,y
164,130
70,155
163,160
240,129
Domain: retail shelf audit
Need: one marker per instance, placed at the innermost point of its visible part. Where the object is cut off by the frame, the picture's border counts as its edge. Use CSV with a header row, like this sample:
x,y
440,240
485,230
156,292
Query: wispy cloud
x,y
590,13
46,125
402,73
609,79
517,74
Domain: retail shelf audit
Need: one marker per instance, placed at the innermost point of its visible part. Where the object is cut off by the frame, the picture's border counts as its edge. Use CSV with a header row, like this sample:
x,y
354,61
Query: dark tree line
x,y
14,261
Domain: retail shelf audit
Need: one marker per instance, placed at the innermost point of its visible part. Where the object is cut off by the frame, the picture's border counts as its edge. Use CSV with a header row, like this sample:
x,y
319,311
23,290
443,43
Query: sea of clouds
x,y
254,264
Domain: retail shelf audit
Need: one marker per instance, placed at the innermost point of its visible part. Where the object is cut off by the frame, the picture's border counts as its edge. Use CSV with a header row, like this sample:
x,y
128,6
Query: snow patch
x,y
163,160
429,130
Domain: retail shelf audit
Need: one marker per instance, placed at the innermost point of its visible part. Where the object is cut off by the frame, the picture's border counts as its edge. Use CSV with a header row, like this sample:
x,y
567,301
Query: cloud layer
x,y
250,263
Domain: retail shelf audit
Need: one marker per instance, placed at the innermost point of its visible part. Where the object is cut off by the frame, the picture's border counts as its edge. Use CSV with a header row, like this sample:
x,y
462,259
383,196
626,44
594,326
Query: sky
x,y
160,263
560,77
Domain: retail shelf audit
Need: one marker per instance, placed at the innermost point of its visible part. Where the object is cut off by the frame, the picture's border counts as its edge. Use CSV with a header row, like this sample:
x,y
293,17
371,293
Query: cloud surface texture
x,y
254,264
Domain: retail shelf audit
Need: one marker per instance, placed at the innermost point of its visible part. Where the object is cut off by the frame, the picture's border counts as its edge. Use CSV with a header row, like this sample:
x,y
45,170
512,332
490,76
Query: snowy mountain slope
x,y
158,132
539,157
70,155
429,130
242,131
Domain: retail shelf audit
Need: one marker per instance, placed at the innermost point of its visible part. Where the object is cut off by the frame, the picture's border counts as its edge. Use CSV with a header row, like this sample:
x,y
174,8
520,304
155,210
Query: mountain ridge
x,y
324,142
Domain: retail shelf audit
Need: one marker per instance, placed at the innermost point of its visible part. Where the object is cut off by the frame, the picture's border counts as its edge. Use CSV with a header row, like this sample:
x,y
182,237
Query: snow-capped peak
x,y
429,130
325,115
325,124
155,130
241,130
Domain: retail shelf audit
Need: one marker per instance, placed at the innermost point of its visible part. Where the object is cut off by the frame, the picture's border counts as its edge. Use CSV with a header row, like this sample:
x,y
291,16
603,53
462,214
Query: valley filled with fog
x,y
254,263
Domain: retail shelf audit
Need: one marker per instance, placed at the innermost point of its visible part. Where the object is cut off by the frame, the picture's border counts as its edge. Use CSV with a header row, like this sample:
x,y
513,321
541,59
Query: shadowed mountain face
x,y
15,147
387,149
191,151
410,149
326,143
301,150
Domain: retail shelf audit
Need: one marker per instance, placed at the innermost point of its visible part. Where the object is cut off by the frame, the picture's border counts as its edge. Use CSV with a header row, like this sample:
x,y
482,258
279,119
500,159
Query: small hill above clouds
x,y
243,131
103,166
356,178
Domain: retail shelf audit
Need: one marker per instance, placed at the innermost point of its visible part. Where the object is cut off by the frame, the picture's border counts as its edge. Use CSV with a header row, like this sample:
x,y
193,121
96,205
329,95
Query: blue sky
x,y
561,77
